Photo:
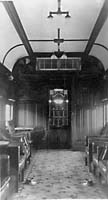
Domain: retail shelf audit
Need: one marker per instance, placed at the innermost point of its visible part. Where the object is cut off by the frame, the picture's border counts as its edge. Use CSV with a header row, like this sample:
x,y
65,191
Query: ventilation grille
x,y
58,64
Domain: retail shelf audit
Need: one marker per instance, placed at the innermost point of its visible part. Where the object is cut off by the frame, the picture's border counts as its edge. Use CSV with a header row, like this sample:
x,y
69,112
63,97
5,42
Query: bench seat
x,y
4,189
17,163
90,147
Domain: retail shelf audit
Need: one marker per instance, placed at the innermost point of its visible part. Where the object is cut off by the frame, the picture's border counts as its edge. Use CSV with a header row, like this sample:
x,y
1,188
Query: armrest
x,y
96,144
100,150
105,153
14,152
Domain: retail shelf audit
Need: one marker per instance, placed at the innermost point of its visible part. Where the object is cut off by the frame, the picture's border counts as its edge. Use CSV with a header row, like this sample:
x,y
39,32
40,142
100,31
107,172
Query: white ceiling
x,y
98,51
33,15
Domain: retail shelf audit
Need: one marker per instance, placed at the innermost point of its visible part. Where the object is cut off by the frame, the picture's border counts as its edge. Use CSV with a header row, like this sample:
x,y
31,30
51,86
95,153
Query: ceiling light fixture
x,y
59,54
50,15
59,12
58,41
67,15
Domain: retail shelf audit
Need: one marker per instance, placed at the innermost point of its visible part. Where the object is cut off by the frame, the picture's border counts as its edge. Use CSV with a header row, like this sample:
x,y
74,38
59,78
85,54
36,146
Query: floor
x,y
59,174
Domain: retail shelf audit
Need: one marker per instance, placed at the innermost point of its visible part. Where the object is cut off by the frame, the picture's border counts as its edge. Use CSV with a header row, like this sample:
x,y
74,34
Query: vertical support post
x,y
14,164
90,158
59,5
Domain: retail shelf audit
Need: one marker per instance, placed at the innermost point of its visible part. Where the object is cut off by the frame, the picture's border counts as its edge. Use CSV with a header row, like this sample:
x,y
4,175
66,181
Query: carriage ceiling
x,y
24,20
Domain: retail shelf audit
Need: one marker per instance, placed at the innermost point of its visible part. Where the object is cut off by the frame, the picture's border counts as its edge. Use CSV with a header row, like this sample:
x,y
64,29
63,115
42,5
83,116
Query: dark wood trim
x,y
49,54
98,25
64,40
18,45
101,45
11,10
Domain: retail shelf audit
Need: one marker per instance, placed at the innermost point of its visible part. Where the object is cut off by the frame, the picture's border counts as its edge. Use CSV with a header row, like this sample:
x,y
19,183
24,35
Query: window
x,y
8,113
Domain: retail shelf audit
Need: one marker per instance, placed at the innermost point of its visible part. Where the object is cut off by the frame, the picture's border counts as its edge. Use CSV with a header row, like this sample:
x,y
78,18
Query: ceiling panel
x,y
8,35
99,51
83,16
33,15
13,56
103,36
101,54
51,46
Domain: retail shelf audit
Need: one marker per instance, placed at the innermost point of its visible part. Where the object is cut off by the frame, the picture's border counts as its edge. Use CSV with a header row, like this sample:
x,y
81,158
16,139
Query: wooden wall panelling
x,y
39,115
94,120
85,129
21,115
78,125
104,113
105,107
88,125
81,122
29,114
2,113
35,115
99,118
73,127
90,121
107,112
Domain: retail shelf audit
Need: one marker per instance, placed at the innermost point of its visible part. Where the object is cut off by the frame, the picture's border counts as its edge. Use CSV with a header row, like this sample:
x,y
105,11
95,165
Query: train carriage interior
x,y
53,99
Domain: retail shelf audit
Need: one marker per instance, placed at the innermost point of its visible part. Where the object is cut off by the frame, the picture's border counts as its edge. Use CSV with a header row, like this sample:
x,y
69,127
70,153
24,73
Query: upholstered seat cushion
x,y
22,162
103,165
95,159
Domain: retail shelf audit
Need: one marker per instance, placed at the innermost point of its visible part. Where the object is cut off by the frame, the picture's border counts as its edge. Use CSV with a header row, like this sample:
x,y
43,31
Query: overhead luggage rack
x,y
58,64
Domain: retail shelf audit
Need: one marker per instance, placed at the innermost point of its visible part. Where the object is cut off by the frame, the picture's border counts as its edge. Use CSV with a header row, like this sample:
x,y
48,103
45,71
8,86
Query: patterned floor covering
x,y
59,174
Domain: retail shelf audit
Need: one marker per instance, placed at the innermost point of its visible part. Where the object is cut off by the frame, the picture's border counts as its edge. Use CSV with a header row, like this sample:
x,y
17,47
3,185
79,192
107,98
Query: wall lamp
x,y
10,78
59,12
58,101
12,100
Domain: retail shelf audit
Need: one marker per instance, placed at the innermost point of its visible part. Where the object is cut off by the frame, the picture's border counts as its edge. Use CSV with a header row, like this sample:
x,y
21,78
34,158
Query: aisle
x,y
59,174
